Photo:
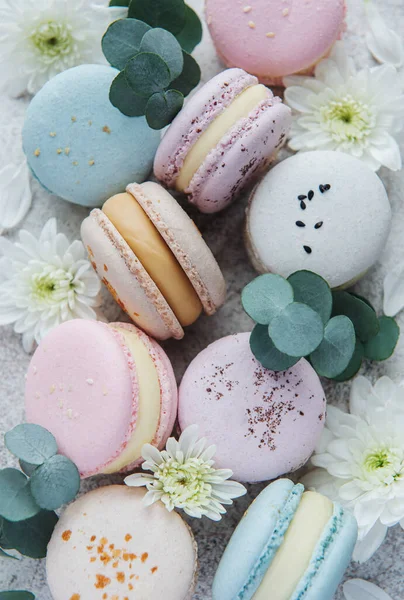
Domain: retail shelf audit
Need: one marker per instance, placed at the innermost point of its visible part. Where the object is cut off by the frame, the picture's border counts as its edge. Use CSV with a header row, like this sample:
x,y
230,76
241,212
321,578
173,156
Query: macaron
x,y
290,545
325,212
153,260
226,134
103,391
275,38
108,544
263,424
78,145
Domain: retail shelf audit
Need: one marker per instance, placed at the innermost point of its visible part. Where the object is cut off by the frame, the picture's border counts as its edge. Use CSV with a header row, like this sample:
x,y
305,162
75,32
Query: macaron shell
x,y
109,542
243,153
264,424
196,116
168,388
185,241
82,386
236,573
274,38
126,278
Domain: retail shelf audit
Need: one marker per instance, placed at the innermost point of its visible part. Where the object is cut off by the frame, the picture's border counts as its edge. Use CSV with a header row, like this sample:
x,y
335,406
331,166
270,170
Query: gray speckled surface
x,y
224,234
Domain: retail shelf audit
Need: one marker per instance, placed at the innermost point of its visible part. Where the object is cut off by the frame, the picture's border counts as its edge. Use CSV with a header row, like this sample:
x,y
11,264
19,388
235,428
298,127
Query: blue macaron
x,y
290,545
78,145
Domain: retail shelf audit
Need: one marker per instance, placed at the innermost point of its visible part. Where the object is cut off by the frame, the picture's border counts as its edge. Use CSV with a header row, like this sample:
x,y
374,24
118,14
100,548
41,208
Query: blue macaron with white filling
x,y
78,145
290,545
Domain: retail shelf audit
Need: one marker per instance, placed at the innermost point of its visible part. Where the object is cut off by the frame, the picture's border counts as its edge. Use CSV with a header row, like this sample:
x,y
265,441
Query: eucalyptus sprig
x,y
28,497
301,317
152,49
17,595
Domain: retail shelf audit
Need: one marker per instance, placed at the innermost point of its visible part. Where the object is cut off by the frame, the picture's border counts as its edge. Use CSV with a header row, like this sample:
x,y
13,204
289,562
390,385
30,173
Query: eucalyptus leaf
x,y
359,312
5,555
297,331
265,352
365,300
124,98
31,537
167,14
55,483
382,346
164,44
190,76
16,501
266,297
31,443
191,34
119,2
163,107
311,289
336,350
122,41
17,595
147,73
27,468
354,364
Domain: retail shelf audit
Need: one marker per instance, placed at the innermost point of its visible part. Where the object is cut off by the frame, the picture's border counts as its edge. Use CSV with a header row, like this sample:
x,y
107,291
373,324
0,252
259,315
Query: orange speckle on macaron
x,y
101,582
120,577
66,535
145,556
128,537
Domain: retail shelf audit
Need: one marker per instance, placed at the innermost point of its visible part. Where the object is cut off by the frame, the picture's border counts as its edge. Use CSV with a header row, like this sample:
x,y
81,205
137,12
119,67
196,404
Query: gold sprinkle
x,y
53,134
69,413
90,123
251,24
67,151
270,34
106,129
91,162
52,388
75,163
61,403
74,119
285,12
247,9
59,150
37,152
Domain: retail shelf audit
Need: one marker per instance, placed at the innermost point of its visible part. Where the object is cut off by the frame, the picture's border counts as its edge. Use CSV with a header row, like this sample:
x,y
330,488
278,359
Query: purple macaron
x,y
227,134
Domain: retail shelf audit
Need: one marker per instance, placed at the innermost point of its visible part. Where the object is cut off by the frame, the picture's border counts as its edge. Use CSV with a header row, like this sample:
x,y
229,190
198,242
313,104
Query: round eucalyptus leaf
x,y
363,317
16,501
354,364
27,468
164,44
122,41
365,300
147,73
163,107
297,331
336,350
311,289
17,595
55,483
191,34
265,352
167,14
119,3
5,555
124,98
31,443
190,76
266,297
31,537
382,346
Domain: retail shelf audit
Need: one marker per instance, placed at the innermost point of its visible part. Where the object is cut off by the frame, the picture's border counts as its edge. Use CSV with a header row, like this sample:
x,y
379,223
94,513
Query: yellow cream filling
x,y
129,218
149,399
294,555
240,108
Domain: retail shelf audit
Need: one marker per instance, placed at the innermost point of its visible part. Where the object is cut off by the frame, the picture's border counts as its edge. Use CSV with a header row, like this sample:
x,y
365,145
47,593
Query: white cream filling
x,y
149,399
294,555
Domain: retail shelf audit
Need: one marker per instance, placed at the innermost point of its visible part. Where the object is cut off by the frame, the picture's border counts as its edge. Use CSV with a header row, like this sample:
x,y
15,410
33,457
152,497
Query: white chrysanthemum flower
x,y
361,460
357,112
183,477
44,283
41,38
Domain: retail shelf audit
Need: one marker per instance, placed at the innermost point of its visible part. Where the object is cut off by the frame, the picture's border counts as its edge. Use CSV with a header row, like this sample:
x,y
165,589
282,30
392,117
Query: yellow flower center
x,y
52,40
347,119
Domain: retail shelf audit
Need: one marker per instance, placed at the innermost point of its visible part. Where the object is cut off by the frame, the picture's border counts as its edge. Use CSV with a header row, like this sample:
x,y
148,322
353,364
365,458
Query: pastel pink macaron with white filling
x,y
103,391
226,134
275,38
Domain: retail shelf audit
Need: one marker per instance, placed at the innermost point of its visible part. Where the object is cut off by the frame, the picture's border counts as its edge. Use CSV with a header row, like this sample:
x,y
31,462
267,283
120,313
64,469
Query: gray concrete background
x,y
224,234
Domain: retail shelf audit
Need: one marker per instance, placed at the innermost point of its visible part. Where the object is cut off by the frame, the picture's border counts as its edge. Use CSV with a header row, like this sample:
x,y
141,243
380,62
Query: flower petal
x,y
383,43
393,287
15,194
359,589
388,154
365,548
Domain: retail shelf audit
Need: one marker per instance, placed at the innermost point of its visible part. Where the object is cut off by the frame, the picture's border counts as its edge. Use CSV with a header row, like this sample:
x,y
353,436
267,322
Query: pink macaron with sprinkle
x,y
103,391
275,38
224,137
263,424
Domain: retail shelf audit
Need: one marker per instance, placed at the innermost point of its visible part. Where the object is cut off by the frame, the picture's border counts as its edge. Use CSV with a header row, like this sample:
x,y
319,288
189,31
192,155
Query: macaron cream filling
x,y
240,108
305,531
133,224
149,399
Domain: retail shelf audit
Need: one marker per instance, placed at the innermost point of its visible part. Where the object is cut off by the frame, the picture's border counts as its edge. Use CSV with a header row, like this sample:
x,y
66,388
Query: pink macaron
x,y
228,132
103,391
153,260
264,424
275,38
